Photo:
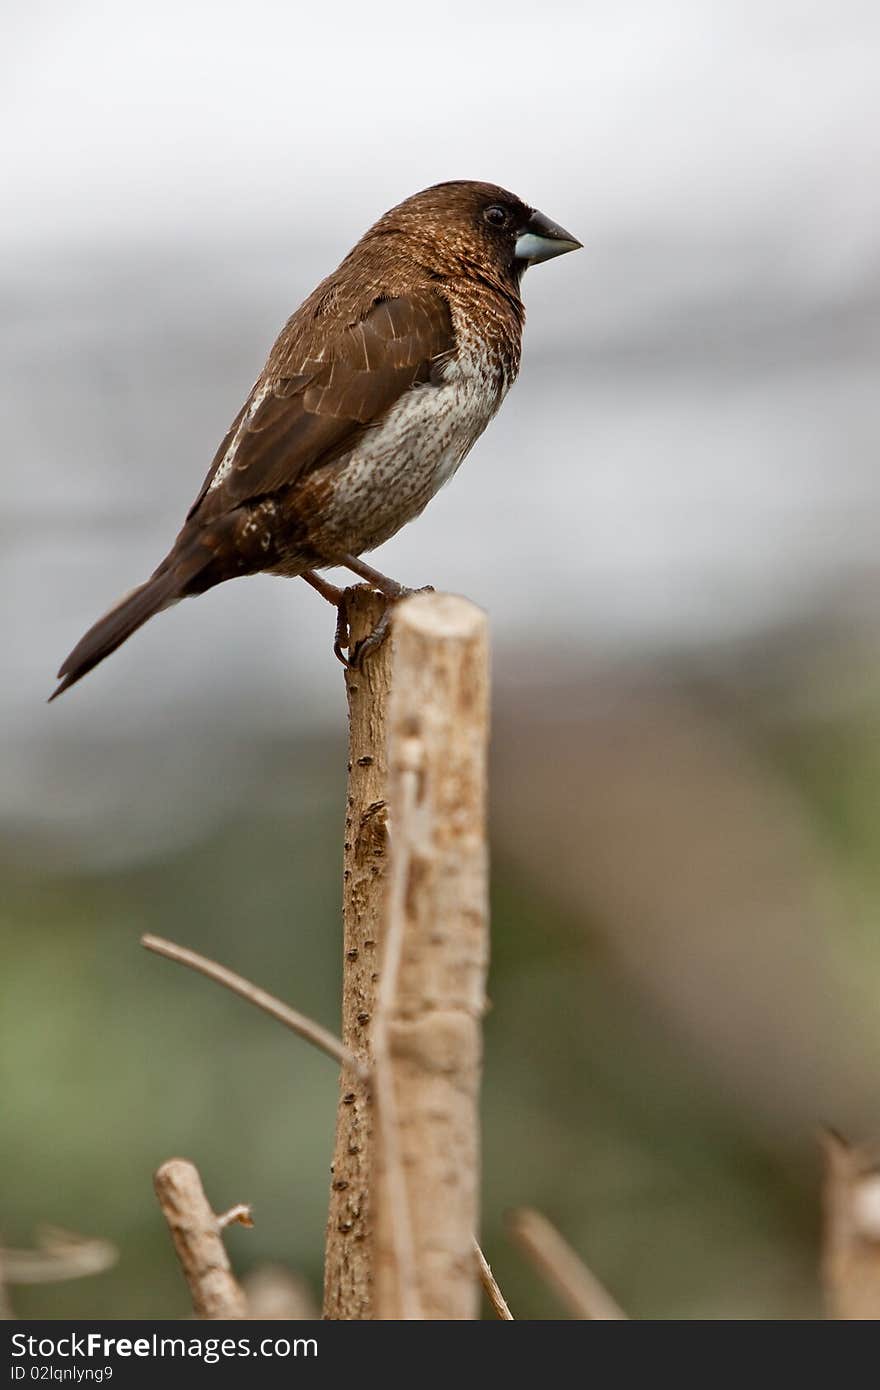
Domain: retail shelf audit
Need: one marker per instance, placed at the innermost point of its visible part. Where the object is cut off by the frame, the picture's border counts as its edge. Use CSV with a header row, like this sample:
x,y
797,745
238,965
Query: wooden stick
x,y
196,1233
580,1290
348,1265
438,734
291,1018
490,1286
851,1234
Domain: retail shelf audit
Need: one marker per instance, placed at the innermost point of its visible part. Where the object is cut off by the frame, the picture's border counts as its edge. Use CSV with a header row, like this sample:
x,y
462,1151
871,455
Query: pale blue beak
x,y
541,240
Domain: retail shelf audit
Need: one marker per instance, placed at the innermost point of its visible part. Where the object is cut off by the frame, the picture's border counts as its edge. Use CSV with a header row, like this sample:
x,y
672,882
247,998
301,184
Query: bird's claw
x,y
353,658
342,636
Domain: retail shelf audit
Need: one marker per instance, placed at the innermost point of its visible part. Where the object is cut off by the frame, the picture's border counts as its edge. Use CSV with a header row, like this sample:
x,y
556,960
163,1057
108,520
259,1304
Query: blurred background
x,y
673,525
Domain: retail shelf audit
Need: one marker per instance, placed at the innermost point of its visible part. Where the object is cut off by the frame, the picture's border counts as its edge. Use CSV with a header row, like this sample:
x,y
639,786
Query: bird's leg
x,y
389,587
393,593
331,592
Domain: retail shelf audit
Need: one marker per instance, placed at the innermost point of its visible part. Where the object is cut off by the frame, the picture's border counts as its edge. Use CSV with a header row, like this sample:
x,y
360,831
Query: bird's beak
x,y
541,240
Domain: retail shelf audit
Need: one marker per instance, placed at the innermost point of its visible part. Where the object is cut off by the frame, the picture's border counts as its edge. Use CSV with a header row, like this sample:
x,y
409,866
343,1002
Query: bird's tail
x,y
109,632
200,558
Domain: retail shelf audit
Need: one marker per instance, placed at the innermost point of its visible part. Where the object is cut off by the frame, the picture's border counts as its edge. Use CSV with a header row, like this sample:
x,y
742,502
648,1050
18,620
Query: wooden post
x,y
348,1266
427,1035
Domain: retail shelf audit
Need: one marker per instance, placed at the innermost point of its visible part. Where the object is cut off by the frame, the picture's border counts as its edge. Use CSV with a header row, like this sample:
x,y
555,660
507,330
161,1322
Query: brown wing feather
x,y
315,407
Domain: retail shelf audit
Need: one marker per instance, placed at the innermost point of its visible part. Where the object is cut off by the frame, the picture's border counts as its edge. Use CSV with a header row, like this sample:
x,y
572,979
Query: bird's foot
x,y
342,638
339,599
354,657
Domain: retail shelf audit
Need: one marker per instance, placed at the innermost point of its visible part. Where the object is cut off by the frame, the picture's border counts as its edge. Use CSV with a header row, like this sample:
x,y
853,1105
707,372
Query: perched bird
x,y
374,392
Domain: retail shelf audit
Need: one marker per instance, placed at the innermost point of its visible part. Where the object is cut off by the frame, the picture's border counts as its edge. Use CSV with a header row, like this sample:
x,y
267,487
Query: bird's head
x,y
466,223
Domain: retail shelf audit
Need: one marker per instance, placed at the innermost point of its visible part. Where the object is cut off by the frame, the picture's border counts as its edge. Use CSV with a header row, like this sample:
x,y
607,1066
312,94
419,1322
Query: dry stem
x,y
851,1236
61,1255
291,1018
490,1285
580,1290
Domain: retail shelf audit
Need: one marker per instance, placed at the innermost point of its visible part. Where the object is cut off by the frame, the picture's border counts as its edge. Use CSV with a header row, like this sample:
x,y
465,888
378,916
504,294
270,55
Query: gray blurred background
x,y
672,524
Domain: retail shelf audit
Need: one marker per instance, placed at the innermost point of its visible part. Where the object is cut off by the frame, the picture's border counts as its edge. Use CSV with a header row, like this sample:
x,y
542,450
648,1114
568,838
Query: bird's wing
x,y
314,403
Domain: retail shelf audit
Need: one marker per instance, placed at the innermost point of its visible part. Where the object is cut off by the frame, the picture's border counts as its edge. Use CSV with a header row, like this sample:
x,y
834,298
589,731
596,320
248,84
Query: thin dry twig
x,y
241,1215
61,1255
291,1018
851,1229
196,1233
490,1285
394,1185
578,1288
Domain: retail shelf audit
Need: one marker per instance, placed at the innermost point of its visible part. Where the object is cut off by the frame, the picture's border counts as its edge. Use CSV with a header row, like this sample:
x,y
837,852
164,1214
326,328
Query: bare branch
x,y
490,1285
298,1023
580,1290
240,1215
196,1233
61,1255
851,1234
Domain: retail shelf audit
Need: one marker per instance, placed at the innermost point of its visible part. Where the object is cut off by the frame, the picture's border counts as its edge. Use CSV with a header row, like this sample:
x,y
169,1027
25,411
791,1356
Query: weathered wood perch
x,y
348,1263
405,1180
435,945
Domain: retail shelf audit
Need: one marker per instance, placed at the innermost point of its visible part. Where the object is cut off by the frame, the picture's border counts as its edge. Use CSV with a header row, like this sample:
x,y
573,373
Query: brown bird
x,y
374,392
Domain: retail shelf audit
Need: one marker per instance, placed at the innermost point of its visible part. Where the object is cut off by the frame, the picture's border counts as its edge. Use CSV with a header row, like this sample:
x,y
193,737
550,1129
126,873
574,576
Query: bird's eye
x,y
496,216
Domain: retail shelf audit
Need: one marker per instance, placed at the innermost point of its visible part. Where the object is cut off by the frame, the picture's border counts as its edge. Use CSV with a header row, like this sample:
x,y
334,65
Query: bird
x,y
374,392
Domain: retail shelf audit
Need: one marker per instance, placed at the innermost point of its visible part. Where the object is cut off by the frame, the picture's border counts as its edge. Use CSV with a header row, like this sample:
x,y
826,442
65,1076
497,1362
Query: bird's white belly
x,y
398,466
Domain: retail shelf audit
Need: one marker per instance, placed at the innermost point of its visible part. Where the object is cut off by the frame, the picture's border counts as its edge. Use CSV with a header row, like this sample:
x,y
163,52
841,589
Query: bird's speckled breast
x,y
398,466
